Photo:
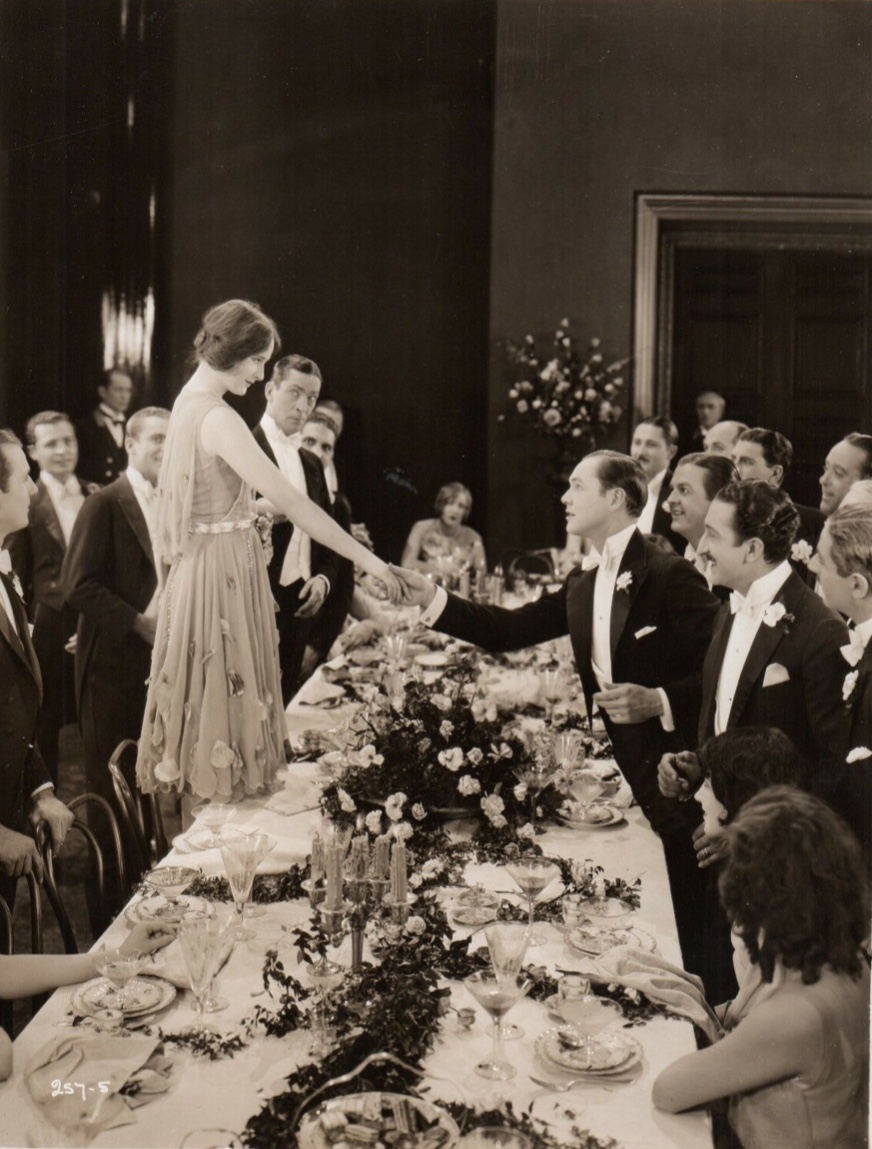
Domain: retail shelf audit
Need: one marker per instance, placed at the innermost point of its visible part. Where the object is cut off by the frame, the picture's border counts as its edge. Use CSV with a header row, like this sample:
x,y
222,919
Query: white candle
x,y
399,888
333,896
317,866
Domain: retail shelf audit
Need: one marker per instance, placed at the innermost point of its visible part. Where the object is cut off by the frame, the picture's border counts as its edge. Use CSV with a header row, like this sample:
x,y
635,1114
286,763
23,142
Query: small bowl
x,y
607,910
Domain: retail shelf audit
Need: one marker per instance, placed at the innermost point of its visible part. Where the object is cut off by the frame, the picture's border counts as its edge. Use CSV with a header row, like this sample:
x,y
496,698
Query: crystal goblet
x,y
264,845
240,853
202,940
170,881
497,995
588,1015
507,943
532,875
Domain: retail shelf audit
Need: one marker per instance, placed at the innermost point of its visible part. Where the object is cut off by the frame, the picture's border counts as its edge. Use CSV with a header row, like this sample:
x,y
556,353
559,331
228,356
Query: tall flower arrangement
x,y
566,393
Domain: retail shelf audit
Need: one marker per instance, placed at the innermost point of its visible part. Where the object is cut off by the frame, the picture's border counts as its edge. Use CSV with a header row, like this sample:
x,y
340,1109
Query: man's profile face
x,y
118,392
720,546
651,450
688,501
292,400
587,502
709,408
844,465
20,489
751,463
55,449
145,452
833,589
721,439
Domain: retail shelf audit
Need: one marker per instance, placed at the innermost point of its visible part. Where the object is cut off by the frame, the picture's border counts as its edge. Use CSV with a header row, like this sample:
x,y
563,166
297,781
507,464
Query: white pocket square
x,y
645,630
775,674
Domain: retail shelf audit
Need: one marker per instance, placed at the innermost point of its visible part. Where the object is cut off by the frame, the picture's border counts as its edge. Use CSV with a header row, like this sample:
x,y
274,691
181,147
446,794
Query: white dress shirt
x,y
646,519
700,564
114,422
297,563
147,497
746,622
66,498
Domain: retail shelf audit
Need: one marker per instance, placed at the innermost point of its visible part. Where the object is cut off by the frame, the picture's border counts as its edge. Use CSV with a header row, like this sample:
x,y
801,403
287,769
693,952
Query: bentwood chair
x,y
149,848
6,947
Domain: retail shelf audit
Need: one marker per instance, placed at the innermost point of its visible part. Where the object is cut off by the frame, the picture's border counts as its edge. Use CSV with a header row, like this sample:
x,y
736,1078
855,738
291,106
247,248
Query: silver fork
x,y
563,1086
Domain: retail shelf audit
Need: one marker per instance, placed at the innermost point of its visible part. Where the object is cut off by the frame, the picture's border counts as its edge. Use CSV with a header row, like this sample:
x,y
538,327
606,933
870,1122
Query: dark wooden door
x,y
783,334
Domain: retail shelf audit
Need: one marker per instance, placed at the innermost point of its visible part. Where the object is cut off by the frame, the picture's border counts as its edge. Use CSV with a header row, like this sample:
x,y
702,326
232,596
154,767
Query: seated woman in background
x,y
794,1063
433,541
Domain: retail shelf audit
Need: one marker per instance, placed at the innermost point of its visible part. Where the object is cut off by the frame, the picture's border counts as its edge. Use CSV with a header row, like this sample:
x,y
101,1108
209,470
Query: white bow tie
x,y
595,559
740,605
853,652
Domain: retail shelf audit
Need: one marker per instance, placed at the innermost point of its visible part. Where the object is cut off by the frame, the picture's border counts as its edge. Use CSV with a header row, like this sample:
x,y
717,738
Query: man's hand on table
x,y
312,597
48,807
627,703
18,855
418,590
679,775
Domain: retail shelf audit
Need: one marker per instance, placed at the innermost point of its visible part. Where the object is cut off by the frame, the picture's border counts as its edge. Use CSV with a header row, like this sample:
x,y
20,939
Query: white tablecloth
x,y
225,1093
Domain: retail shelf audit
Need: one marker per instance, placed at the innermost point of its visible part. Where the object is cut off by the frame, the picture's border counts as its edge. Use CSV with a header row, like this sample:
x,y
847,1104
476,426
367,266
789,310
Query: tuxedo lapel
x,y
45,509
579,615
711,670
19,640
634,563
765,643
129,504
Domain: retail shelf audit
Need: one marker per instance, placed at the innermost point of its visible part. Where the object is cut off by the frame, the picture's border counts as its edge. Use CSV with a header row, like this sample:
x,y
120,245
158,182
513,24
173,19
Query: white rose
x,y
451,759
374,822
403,831
415,926
520,791
469,785
418,812
346,802
526,831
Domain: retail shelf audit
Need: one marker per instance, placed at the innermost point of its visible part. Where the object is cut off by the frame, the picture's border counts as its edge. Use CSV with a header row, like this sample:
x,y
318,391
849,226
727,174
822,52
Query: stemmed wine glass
x,y
170,881
213,816
533,874
552,687
201,940
497,995
585,786
120,967
324,975
565,748
264,845
507,943
536,776
240,853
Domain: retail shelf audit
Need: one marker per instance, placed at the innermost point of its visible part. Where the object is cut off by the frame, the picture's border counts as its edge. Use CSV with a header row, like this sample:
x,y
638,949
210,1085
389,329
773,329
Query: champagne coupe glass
x,y
213,816
507,943
240,854
170,881
264,845
324,975
585,787
120,967
552,687
497,995
588,1015
200,940
532,875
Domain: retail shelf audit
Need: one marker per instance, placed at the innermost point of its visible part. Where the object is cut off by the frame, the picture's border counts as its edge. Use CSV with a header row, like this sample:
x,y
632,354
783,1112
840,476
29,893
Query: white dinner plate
x,y
592,940
312,1134
604,817
144,994
614,1051
156,910
433,660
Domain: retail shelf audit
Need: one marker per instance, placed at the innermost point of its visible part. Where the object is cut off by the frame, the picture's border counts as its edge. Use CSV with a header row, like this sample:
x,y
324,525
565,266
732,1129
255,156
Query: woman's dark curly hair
x,y
232,331
745,760
765,513
794,885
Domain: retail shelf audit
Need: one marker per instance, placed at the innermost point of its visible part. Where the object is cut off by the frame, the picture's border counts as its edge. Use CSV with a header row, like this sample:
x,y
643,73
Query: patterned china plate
x,y
592,941
474,915
144,995
603,817
377,1111
612,1051
156,910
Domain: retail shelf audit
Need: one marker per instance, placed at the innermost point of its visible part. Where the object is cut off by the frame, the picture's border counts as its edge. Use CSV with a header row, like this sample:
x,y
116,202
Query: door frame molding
x,y
665,222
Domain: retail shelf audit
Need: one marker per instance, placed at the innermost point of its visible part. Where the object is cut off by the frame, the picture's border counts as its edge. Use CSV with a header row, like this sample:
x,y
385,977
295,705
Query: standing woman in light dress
x,y
214,725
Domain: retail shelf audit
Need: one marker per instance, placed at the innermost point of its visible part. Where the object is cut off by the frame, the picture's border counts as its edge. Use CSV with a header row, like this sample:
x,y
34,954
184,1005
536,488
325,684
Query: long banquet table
x,y
225,1093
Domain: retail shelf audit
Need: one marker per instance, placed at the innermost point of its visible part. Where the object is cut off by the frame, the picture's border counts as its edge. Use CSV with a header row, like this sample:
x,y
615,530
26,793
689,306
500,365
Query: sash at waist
x,y
220,528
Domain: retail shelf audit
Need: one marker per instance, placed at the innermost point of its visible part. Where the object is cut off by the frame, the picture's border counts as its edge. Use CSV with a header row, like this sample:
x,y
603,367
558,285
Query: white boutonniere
x,y
16,586
801,551
849,685
624,582
777,612
858,754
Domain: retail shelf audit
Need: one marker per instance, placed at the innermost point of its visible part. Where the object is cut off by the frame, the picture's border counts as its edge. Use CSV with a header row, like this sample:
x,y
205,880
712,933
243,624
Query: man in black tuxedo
x,y
640,621
101,433
110,577
26,789
696,480
37,555
301,572
843,565
767,455
846,463
710,407
654,446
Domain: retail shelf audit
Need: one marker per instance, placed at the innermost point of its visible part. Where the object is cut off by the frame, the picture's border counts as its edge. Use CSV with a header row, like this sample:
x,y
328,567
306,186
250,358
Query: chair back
x,y
130,803
6,947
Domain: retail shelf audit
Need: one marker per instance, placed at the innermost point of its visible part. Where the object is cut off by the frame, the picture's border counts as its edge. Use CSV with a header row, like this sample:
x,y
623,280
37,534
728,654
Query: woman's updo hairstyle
x,y
231,332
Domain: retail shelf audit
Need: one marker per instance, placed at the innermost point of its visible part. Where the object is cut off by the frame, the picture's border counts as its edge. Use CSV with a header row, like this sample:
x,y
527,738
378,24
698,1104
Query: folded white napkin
x,y
317,692
288,852
659,980
98,1067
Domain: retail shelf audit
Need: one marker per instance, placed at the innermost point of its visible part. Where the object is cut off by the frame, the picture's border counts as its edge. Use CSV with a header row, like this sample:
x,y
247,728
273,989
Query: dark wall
x,y
332,160
597,100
